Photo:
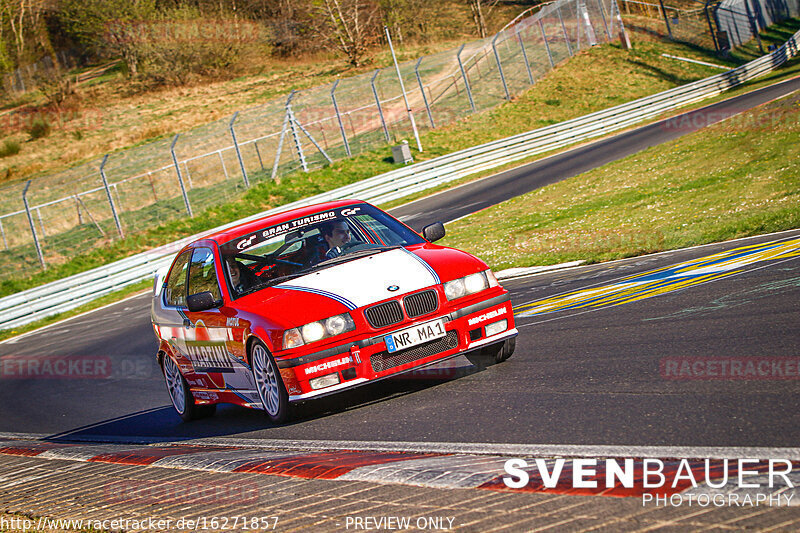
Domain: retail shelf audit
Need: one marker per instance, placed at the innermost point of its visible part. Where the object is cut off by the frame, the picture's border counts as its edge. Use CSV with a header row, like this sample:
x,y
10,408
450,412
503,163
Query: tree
x,y
480,10
25,20
349,25
105,27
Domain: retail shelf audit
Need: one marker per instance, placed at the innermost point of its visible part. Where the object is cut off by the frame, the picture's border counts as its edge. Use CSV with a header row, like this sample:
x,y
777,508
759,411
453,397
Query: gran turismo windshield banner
x,y
257,237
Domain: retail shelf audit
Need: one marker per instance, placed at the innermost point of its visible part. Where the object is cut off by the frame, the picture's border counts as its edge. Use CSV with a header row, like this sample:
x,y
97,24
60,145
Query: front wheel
x,y
271,391
493,354
181,396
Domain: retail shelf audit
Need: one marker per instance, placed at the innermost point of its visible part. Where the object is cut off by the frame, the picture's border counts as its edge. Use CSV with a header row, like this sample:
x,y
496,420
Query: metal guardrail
x,y
33,304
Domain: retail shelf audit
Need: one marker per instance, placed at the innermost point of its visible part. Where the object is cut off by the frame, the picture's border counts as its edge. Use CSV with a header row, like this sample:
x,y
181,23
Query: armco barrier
x,y
69,293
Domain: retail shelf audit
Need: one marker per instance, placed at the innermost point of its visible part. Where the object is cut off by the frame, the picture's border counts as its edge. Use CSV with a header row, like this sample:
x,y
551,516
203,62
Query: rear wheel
x,y
271,391
181,396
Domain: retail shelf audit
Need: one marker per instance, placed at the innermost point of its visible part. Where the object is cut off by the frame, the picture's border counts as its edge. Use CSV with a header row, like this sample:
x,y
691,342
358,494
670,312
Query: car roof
x,y
247,228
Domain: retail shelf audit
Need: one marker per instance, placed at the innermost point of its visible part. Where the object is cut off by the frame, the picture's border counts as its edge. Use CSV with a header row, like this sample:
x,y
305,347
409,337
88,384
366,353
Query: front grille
x,y
384,360
421,303
384,314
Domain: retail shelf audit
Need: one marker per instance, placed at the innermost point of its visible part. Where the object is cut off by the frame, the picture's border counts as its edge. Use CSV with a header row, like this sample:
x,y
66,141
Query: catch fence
x,y
52,219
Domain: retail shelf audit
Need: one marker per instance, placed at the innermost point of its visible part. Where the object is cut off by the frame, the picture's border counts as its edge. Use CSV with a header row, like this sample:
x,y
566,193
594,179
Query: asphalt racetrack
x,y
607,354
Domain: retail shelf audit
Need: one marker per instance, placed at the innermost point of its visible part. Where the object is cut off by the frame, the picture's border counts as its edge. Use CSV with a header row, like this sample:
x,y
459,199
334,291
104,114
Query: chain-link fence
x,y
714,24
28,77
57,217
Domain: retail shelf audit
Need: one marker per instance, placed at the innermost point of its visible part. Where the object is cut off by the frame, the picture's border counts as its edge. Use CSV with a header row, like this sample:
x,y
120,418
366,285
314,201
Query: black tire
x,y
493,354
507,350
181,396
271,390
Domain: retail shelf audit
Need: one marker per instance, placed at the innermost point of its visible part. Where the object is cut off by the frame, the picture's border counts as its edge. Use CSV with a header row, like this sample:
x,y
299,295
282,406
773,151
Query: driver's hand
x,y
333,252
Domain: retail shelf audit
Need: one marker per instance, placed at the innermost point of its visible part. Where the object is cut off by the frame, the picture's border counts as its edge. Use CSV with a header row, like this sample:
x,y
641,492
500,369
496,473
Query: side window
x,y
175,291
203,274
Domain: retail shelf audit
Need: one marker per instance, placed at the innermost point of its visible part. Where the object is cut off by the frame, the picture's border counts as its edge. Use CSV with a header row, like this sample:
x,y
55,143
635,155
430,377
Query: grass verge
x,y
734,179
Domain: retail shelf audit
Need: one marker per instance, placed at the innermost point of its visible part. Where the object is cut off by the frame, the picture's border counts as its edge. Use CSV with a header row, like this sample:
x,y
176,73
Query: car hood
x,y
368,280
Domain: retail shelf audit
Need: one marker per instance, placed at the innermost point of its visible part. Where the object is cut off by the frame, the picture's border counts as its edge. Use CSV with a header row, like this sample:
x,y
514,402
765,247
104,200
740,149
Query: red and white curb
x,y
439,468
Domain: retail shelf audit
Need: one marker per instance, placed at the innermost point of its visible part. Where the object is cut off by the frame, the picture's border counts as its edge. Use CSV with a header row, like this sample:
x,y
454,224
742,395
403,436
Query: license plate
x,y
415,335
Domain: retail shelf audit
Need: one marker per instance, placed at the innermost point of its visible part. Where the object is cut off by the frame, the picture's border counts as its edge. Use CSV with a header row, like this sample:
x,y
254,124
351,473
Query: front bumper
x,y
366,360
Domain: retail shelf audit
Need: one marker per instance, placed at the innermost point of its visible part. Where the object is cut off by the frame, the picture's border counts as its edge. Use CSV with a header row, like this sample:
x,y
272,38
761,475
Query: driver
x,y
336,235
241,277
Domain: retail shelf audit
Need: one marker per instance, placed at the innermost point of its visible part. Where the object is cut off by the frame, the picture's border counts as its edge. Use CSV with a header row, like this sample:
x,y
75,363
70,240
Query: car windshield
x,y
277,253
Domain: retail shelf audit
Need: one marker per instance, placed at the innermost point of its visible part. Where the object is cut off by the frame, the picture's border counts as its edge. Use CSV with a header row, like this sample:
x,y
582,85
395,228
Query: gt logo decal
x,y
244,243
349,212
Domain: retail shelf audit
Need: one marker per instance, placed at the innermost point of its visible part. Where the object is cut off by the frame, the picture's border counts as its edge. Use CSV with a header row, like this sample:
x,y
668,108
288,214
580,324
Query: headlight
x,y
469,284
321,329
454,289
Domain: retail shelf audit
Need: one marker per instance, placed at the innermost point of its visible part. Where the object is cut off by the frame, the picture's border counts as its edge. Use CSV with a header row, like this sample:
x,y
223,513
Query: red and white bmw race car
x,y
316,300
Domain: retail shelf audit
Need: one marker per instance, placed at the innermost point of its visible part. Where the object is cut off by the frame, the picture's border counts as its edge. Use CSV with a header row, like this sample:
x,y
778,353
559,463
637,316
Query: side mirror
x,y
434,232
202,301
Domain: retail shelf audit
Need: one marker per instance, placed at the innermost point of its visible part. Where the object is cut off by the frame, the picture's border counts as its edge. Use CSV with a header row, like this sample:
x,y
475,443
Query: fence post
x,y
378,103
110,199
403,90
180,178
339,119
298,146
282,136
753,26
605,22
524,54
238,152
546,44
3,233
258,153
78,209
221,162
422,90
666,18
41,222
464,77
500,66
564,29
583,13
33,227
711,26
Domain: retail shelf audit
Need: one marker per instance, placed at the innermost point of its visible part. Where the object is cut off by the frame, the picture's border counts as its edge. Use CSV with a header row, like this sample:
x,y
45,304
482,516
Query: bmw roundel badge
x,y
392,288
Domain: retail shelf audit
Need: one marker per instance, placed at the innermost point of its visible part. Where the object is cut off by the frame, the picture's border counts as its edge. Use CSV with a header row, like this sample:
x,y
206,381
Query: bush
x,y
40,127
181,45
9,148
